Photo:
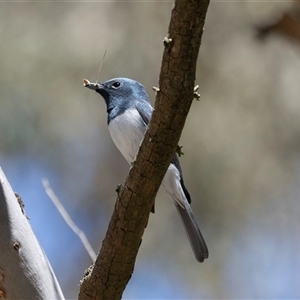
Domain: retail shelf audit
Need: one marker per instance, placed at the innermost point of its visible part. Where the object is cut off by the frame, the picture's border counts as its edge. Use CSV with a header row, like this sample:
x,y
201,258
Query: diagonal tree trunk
x,y
109,275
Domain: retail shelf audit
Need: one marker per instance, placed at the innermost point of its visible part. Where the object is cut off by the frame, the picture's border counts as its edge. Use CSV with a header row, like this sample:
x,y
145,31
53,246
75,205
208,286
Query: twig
x,y
68,219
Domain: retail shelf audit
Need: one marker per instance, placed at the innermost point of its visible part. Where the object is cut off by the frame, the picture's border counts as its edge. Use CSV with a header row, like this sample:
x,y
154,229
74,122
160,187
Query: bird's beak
x,y
92,86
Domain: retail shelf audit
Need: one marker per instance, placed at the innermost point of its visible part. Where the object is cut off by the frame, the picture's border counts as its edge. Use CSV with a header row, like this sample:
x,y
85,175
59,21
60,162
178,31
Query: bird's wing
x,y
175,161
145,110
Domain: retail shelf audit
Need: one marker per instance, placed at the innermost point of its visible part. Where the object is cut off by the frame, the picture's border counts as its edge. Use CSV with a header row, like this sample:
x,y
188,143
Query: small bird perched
x,y
129,112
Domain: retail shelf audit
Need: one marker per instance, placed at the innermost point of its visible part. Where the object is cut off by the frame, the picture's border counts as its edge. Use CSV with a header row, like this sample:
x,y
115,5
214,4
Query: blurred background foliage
x,y
241,141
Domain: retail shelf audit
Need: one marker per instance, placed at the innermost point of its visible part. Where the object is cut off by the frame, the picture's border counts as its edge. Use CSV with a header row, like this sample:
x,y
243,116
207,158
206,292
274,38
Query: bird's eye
x,y
116,84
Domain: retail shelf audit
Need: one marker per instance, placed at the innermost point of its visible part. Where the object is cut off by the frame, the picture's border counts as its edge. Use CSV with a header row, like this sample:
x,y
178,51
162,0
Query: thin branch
x,y
68,219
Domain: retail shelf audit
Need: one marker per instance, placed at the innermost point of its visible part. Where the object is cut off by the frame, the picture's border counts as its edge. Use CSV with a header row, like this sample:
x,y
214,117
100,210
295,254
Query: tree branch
x,y
25,272
55,200
109,275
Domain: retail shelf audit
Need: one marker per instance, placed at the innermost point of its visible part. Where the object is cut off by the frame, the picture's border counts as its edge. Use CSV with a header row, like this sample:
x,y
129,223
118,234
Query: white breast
x,y
127,132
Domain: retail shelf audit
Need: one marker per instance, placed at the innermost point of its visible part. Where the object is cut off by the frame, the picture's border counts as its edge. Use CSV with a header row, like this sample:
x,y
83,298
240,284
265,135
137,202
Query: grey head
x,y
121,94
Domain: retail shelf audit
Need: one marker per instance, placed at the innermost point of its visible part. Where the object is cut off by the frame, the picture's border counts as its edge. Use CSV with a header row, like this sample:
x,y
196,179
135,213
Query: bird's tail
x,y
193,232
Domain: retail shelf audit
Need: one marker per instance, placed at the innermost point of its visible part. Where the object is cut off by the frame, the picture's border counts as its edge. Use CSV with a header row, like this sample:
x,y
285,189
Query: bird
x,y
128,114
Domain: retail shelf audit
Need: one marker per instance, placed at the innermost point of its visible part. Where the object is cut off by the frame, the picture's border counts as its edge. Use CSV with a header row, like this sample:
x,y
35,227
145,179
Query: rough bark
x,y
109,275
